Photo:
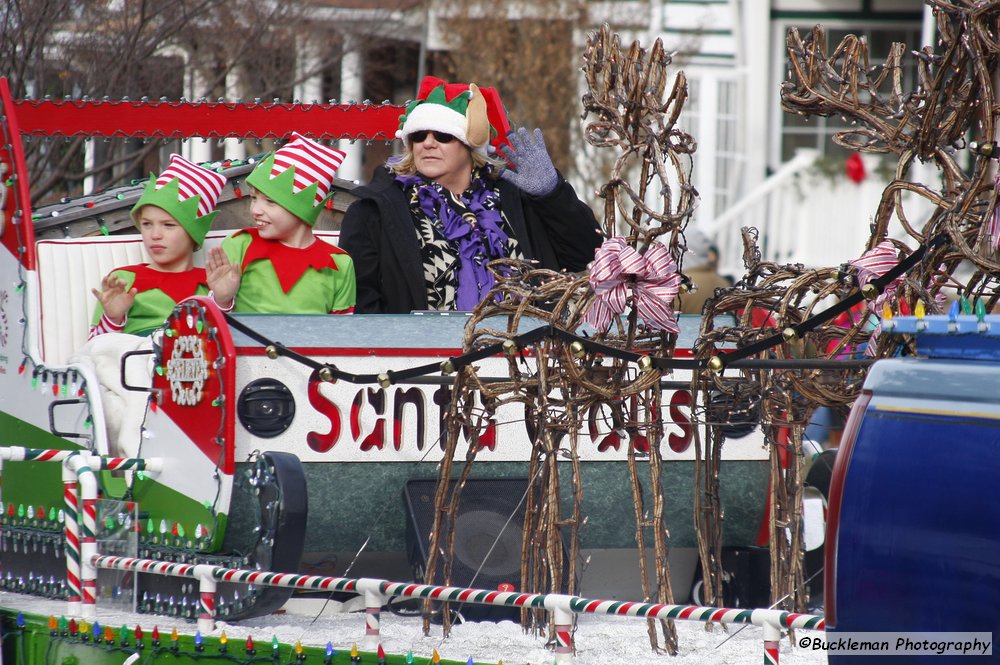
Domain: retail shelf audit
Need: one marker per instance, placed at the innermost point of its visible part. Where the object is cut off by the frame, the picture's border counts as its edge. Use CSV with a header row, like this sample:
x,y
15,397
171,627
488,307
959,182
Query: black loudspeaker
x,y
746,578
488,508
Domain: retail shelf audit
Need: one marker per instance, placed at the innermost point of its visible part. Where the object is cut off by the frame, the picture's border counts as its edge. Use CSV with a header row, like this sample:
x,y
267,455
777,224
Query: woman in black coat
x,y
424,229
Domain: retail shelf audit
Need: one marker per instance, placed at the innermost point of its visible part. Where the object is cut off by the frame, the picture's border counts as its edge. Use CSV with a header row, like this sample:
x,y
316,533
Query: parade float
x,y
298,444
270,453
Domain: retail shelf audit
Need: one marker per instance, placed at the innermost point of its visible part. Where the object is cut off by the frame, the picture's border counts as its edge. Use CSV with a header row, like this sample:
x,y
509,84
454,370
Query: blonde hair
x,y
404,165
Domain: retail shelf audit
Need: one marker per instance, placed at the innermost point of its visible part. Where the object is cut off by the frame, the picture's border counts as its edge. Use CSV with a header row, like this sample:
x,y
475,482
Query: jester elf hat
x,y
187,192
298,176
473,115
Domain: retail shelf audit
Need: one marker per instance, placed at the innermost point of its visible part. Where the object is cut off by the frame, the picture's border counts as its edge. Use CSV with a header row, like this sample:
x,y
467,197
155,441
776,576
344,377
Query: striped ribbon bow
x,y
617,266
874,263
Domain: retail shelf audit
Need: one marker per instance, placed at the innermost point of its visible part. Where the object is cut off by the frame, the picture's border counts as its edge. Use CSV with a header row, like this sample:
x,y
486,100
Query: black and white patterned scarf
x,y
458,236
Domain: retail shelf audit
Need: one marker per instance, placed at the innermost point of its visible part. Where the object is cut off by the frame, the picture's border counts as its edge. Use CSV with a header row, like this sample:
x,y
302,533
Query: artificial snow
x,y
600,640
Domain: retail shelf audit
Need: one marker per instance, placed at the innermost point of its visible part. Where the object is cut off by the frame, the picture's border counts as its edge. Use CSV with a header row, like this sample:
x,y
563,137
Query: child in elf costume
x,y
173,214
279,266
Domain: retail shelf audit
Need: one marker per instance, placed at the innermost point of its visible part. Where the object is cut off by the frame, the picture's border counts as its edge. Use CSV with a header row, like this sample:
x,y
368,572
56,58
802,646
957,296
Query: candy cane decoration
x,y
72,535
78,465
772,639
562,606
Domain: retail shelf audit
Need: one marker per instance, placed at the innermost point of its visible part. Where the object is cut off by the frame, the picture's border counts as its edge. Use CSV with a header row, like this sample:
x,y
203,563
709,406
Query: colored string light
x,y
953,311
981,326
965,305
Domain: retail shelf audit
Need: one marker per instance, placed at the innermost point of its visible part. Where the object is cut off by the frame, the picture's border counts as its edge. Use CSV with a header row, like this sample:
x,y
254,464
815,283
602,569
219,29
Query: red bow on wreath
x,y
618,268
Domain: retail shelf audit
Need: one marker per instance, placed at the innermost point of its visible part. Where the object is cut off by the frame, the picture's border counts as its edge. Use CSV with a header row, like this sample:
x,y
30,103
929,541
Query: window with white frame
x,y
711,115
814,132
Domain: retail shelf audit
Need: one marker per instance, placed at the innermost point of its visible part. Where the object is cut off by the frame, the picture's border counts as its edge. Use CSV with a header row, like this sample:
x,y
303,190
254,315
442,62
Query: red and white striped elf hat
x,y
193,180
188,192
298,176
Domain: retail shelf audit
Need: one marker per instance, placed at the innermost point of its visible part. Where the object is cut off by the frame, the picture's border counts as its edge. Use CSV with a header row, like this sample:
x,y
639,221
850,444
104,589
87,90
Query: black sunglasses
x,y
421,136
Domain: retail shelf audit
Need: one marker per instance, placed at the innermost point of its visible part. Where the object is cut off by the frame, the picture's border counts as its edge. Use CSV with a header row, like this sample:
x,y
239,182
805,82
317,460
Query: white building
x,y
755,165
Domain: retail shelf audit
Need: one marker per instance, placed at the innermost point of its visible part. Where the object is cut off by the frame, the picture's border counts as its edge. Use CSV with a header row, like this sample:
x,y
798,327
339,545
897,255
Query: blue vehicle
x,y
913,536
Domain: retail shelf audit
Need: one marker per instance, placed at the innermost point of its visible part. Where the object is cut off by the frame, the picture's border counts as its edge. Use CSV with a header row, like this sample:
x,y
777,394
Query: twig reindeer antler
x,y
626,95
574,395
954,97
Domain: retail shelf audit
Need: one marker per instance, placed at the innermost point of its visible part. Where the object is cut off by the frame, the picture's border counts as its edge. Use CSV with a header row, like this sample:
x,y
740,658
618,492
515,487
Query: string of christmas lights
x,y
580,345
152,647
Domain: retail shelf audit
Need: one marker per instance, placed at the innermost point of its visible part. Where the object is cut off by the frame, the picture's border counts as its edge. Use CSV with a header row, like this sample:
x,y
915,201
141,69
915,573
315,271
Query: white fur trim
x,y
436,118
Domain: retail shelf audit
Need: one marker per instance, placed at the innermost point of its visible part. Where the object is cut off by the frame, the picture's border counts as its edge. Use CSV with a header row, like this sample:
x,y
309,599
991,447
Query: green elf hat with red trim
x,y
473,115
298,176
187,192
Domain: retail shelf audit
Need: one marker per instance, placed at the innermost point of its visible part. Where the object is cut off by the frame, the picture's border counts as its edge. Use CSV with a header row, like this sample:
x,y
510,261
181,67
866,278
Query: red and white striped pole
x,y
772,643
206,601
72,534
80,497
374,600
80,466
563,619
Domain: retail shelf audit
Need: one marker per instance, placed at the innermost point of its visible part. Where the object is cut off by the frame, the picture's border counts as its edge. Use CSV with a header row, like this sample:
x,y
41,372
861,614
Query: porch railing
x,y
802,216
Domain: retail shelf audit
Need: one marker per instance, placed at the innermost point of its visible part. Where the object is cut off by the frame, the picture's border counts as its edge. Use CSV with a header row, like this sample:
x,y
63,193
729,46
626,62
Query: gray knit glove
x,y
532,170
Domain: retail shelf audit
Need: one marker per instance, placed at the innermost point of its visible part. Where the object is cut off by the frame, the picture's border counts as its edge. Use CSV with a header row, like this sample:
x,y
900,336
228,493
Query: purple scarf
x,y
472,224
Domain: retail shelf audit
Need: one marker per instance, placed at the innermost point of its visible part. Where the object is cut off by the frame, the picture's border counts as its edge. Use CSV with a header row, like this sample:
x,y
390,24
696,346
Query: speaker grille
x,y
490,515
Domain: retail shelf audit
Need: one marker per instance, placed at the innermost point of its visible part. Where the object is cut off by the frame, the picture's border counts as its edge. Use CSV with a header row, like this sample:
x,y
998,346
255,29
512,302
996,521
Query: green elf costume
x,y
189,194
276,278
